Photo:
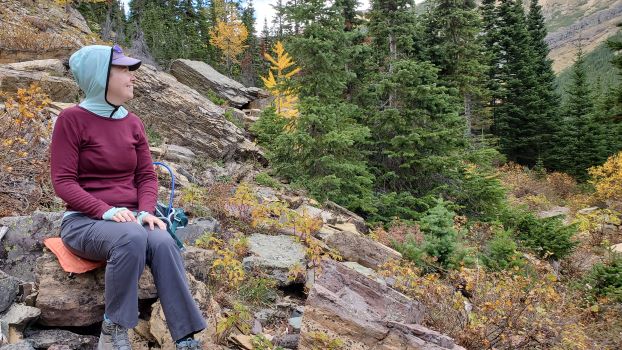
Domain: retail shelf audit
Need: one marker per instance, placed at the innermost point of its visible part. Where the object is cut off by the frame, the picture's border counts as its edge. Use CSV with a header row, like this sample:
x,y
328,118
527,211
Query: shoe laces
x,y
118,333
189,344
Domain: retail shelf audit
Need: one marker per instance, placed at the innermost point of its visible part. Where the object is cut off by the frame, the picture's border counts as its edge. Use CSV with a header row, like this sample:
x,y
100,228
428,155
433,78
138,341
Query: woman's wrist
x,y
112,212
141,216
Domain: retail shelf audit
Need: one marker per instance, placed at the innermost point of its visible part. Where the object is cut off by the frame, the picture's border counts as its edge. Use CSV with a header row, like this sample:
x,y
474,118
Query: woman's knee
x,y
132,237
158,239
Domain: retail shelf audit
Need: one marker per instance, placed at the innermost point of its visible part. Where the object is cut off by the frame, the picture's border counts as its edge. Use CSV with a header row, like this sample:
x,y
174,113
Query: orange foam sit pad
x,y
68,260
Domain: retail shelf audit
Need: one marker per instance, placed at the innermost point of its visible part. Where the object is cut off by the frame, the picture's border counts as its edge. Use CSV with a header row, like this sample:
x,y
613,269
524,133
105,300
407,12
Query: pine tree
x,y
393,27
611,114
416,142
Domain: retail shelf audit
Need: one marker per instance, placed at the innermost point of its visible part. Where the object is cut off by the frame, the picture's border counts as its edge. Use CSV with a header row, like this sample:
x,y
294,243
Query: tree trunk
x,y
468,113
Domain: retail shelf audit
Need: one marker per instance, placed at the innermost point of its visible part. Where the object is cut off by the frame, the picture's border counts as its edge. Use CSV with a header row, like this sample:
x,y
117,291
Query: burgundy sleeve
x,y
145,176
64,153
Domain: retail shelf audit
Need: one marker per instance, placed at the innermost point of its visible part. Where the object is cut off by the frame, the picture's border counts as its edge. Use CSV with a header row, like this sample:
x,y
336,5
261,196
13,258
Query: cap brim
x,y
131,63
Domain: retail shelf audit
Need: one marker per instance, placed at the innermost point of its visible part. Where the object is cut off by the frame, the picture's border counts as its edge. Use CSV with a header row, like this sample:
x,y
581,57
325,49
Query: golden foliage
x,y
322,341
285,98
229,35
594,223
226,268
607,179
25,128
504,310
276,215
539,192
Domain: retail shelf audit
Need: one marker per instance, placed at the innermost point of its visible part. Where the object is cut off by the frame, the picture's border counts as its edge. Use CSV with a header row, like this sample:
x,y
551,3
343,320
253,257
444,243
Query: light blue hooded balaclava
x,y
90,67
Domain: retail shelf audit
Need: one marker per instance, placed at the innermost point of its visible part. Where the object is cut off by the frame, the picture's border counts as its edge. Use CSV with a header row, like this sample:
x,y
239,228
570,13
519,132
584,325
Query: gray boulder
x,y
206,80
274,255
23,242
44,339
196,229
9,287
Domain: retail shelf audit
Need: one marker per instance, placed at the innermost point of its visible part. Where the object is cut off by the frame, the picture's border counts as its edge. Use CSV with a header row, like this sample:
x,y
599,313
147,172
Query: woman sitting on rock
x,y
102,168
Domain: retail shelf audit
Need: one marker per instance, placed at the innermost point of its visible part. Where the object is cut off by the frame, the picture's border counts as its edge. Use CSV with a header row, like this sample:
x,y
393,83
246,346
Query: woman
x,y
102,168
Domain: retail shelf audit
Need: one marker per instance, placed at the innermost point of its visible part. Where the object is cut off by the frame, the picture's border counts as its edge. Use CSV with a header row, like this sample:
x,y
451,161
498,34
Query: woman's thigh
x,y
94,239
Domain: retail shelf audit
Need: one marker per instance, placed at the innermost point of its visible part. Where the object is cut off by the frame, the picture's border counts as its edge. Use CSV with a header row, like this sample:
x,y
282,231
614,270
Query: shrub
x,y
441,247
605,280
239,317
260,342
25,128
266,180
547,237
500,252
258,290
480,192
607,179
504,310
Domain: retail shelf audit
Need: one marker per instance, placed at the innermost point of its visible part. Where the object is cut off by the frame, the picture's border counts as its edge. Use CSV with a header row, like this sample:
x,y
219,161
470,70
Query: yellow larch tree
x,y
229,35
285,98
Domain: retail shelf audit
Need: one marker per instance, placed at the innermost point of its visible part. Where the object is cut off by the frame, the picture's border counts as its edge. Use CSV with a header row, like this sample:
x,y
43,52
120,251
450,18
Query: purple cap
x,y
119,59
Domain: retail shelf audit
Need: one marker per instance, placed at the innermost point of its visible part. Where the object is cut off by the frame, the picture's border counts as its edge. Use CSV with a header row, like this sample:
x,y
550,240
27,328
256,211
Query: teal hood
x,y
90,67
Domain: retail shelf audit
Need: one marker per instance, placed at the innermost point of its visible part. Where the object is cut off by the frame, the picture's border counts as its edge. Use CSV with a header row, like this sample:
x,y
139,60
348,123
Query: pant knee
x,y
161,240
132,240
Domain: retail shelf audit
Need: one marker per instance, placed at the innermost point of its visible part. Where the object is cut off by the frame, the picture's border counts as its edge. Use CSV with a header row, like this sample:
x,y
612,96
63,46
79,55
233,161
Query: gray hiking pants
x,y
127,247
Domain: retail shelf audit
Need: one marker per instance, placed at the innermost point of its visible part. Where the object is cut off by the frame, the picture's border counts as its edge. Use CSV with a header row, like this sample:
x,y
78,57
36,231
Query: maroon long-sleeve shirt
x,y
98,163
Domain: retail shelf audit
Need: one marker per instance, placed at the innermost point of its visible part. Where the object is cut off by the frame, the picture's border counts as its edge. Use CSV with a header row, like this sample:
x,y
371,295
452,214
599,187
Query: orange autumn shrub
x,y
25,128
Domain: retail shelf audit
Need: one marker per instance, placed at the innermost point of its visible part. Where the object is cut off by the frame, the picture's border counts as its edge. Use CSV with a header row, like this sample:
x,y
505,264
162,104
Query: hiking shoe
x,y
188,344
113,337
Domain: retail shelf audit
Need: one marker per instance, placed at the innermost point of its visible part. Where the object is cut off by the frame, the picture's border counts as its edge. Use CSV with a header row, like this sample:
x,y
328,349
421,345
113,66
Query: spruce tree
x,y
523,135
251,61
492,55
323,50
453,43
582,143
547,110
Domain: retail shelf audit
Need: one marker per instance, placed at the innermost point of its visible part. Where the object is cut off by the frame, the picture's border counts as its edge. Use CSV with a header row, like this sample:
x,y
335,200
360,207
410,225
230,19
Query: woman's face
x,y
120,85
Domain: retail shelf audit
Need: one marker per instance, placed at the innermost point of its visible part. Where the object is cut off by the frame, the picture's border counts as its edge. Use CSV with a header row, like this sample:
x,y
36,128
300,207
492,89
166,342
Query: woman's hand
x,y
119,215
152,221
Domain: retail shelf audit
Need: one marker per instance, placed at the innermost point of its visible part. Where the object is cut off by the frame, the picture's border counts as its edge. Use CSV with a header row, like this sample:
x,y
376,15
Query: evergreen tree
x,y
393,27
523,135
251,61
492,55
454,45
348,8
611,112
170,29
320,152
105,18
547,105
582,143
416,142
323,50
